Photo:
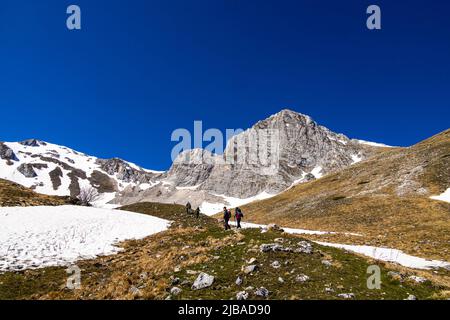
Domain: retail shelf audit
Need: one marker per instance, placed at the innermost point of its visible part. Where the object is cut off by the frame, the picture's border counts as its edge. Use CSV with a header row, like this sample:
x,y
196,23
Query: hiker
x,y
226,218
188,208
197,212
238,216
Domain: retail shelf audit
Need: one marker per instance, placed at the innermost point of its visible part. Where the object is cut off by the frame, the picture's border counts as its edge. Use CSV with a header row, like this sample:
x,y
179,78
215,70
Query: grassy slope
x,y
380,198
13,195
192,245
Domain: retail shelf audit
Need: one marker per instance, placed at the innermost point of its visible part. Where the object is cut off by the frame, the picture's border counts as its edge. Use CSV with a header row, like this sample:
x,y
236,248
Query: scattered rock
x,y
262,292
417,279
270,247
276,264
175,281
252,261
203,280
239,281
304,247
327,263
242,295
411,297
135,291
175,291
280,280
279,240
346,295
251,268
143,276
302,278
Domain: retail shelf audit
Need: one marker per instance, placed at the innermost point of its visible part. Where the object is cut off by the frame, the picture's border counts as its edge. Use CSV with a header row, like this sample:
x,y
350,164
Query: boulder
x,y
203,280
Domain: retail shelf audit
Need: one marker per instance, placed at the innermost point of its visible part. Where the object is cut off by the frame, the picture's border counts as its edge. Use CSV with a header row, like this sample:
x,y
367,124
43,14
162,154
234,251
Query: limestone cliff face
x,y
286,148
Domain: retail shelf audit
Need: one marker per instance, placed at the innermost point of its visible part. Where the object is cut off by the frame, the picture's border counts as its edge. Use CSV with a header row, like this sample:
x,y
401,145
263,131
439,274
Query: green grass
x,y
224,253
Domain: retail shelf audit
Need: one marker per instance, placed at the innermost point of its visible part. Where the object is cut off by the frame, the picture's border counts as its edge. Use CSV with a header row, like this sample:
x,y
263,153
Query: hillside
x,y
245,264
13,195
385,198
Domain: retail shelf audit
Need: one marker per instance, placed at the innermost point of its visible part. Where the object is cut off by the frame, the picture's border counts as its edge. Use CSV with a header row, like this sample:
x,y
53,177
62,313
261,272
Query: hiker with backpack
x,y
197,212
238,216
188,208
226,218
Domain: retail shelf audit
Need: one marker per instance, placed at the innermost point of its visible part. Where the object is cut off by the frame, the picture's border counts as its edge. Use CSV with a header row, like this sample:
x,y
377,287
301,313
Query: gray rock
x,y
239,281
251,268
280,280
271,247
175,291
411,297
276,264
203,280
6,153
327,263
135,291
346,295
27,170
304,247
302,278
242,295
417,279
262,292
32,143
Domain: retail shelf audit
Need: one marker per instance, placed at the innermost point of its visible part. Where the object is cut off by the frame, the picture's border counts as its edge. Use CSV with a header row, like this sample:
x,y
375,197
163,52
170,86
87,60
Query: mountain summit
x,y
303,151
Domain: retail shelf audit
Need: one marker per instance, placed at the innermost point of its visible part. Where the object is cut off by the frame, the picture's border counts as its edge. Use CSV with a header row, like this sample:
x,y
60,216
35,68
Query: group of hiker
x,y
238,215
227,214
189,210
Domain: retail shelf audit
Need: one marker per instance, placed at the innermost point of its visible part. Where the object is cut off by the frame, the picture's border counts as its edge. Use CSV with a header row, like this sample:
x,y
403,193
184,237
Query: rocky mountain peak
x,y
33,143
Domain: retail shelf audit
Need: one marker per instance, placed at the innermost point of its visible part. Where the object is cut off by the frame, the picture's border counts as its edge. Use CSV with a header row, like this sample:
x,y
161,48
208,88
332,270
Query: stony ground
x,y
196,259
386,199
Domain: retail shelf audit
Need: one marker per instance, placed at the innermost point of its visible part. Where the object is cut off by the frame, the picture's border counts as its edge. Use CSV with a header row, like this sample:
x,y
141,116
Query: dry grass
x,y
385,198
15,195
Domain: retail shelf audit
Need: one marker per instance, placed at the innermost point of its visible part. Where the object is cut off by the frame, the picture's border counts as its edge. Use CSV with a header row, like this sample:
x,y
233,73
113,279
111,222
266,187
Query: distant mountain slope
x,y
57,170
305,151
386,198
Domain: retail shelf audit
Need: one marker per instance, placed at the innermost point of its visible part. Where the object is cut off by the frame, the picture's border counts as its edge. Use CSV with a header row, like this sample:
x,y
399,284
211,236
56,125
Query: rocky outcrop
x,y
270,156
7,153
32,143
27,170
124,171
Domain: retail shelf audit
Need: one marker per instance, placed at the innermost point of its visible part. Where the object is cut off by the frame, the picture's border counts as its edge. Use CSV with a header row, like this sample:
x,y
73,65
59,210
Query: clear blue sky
x,y
139,69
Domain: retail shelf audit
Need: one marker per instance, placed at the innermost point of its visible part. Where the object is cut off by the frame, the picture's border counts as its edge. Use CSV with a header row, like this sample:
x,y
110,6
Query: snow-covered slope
x,y
57,170
305,151
37,237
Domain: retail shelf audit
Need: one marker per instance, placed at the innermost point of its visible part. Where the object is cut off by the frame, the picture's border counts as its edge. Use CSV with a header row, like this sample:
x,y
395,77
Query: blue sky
x,y
139,69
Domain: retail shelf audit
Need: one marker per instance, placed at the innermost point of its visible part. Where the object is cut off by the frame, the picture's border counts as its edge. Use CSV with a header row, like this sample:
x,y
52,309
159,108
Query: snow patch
x,y
443,197
231,202
37,237
373,144
391,255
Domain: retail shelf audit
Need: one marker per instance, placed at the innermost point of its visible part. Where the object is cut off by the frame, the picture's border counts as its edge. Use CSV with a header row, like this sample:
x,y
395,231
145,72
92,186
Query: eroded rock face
x,y
6,153
124,171
27,170
305,151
